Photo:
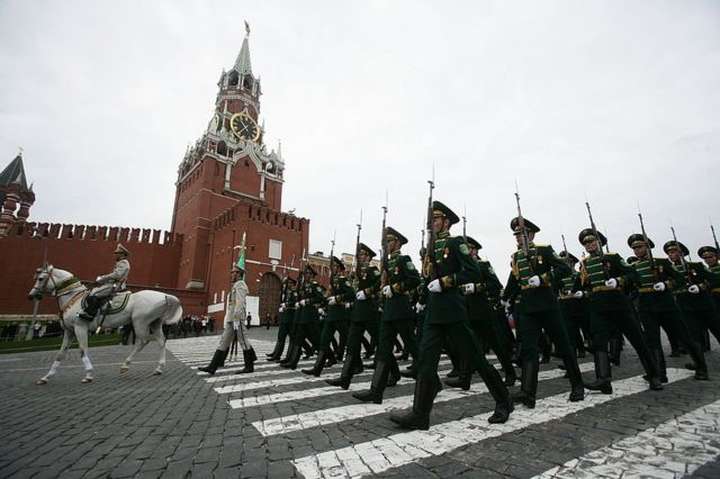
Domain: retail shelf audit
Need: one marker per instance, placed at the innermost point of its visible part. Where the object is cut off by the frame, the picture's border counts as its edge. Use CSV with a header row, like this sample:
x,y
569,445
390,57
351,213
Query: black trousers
x,y
356,333
604,322
328,334
283,333
530,327
488,334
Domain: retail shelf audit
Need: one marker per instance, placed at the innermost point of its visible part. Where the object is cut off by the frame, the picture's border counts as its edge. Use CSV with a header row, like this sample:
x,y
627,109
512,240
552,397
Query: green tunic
x,y
403,278
698,275
454,267
344,294
543,262
647,277
595,270
313,294
483,302
368,281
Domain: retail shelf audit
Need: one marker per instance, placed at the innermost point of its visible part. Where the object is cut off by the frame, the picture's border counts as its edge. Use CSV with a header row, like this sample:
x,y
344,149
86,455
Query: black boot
x,y
572,370
317,368
698,357
377,386
249,358
92,304
660,363
331,360
528,384
215,362
419,416
293,358
463,378
615,346
347,373
499,392
602,370
410,372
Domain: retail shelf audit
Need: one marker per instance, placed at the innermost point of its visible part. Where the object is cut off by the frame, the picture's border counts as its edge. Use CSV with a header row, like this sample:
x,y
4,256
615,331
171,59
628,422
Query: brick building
x,y
228,184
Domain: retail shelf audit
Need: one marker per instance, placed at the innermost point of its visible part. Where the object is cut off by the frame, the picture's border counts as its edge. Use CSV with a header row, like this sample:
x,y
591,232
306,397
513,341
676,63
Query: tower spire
x,y
242,63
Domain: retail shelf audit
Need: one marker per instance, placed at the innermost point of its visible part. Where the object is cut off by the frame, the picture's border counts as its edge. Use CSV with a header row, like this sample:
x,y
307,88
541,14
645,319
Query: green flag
x,y
241,257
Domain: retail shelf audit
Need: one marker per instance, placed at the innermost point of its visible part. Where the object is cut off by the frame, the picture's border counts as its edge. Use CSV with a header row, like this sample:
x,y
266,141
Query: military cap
x,y
637,239
568,255
589,233
707,249
337,262
367,250
529,225
443,210
120,249
632,259
310,269
393,232
473,243
672,244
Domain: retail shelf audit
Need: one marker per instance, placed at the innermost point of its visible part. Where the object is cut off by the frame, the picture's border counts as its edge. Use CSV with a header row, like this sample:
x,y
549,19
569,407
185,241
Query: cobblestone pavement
x,y
280,424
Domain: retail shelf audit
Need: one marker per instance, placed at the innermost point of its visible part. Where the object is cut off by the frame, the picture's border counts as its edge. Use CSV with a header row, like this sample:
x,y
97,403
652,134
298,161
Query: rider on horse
x,y
108,284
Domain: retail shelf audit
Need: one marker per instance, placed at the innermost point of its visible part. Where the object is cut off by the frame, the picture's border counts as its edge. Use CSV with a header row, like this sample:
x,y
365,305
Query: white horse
x,y
147,310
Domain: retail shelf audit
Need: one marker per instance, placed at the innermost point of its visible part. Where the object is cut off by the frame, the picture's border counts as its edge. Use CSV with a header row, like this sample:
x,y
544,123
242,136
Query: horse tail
x,y
173,311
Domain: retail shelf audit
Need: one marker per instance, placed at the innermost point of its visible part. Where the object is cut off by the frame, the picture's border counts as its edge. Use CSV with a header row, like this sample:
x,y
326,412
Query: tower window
x,y
233,78
222,148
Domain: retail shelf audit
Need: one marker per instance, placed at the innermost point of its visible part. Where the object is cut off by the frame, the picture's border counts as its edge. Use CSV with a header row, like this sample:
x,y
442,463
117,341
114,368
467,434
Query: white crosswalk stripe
x,y
374,457
296,422
672,449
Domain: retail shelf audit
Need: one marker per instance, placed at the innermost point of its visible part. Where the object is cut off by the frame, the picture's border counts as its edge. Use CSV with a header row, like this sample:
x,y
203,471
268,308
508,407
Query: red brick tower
x,y
228,183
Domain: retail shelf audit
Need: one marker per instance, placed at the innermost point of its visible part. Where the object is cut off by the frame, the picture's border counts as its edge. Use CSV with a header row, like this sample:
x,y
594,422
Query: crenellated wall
x,y
87,251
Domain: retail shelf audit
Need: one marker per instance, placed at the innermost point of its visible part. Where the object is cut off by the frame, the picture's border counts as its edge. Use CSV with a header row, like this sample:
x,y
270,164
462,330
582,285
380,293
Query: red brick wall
x,y
86,251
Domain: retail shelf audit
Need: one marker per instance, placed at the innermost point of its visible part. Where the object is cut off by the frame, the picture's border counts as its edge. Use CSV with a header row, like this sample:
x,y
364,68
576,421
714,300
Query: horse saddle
x,y
113,305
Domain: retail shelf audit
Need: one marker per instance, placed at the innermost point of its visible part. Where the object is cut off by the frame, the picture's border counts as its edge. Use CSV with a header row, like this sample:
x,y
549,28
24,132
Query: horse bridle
x,y
42,288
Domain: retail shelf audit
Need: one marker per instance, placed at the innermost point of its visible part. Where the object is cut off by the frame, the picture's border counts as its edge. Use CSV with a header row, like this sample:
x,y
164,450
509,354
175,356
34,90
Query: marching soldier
x,y
363,314
339,302
288,299
483,306
401,278
657,307
450,266
709,254
694,297
603,277
235,314
311,297
530,286
108,284
575,311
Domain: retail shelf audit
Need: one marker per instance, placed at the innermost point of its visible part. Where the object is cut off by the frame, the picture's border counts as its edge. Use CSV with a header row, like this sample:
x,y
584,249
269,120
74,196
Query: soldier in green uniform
x,y
363,313
530,287
694,297
311,297
482,299
450,266
657,307
603,277
575,311
288,298
709,254
399,280
338,306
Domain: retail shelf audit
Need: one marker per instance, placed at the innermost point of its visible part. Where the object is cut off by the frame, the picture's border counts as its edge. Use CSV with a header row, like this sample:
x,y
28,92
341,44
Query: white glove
x,y
468,288
321,312
659,286
611,283
348,305
303,302
434,286
98,279
297,305
387,291
505,303
578,294
332,301
281,308
419,307
694,289
534,281
360,296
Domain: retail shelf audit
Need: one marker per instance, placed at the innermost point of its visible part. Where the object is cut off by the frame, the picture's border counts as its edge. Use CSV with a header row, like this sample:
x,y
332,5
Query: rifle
x,y
429,264
464,219
682,257
357,248
521,223
597,238
332,253
712,228
383,245
567,254
647,243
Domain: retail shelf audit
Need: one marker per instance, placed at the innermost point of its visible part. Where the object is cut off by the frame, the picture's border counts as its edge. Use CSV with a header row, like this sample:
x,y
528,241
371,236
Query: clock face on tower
x,y
244,127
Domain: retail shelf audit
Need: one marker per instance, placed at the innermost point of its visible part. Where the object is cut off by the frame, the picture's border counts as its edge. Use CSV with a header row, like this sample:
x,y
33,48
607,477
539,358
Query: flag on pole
x,y
241,257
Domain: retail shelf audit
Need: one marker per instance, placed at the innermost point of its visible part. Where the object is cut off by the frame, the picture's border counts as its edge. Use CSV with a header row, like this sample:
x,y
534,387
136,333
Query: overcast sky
x,y
614,101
